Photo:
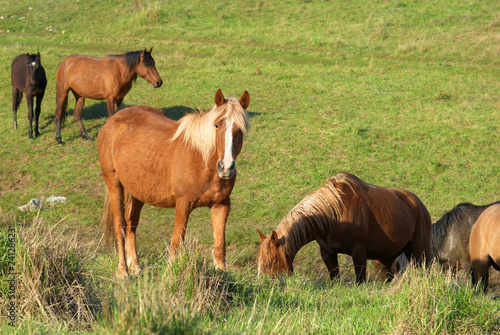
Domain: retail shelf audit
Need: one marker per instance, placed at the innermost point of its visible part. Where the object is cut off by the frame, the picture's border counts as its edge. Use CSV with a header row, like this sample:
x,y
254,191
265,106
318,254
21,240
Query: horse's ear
x,y
219,98
150,50
245,100
262,236
38,56
274,238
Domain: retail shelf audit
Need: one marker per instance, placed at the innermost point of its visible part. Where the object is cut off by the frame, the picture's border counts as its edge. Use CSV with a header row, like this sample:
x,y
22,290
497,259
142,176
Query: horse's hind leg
x,y
116,202
480,271
80,101
130,246
16,99
60,114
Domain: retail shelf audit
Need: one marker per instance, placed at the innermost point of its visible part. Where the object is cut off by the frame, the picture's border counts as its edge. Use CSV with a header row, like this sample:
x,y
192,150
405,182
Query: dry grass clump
x,y
51,281
437,302
170,296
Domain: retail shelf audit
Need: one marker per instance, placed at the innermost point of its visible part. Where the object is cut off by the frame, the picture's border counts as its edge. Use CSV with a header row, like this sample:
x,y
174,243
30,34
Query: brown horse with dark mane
x,y
484,245
347,215
109,78
146,157
28,76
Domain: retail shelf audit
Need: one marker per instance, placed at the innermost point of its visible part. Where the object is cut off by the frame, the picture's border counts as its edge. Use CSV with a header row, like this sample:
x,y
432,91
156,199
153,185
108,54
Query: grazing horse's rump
x,y
146,157
349,216
484,245
28,76
109,78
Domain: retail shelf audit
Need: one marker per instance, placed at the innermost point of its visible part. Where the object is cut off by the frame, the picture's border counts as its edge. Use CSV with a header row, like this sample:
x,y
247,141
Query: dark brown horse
x,y
109,78
349,216
450,237
484,245
146,157
28,76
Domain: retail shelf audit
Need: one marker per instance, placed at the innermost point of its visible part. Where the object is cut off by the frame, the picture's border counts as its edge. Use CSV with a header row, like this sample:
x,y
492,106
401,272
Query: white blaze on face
x,y
228,151
33,64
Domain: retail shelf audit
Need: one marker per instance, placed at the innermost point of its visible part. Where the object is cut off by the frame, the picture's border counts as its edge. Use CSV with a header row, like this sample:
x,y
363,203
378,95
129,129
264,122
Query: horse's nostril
x,y
159,83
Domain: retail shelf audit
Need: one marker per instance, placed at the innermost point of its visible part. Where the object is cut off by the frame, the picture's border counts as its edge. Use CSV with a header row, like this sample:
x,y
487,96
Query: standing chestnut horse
x,y
109,78
484,245
349,216
146,157
28,76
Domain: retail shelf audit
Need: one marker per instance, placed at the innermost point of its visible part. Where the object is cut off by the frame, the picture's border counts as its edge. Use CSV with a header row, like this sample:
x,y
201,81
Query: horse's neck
x,y
296,232
129,74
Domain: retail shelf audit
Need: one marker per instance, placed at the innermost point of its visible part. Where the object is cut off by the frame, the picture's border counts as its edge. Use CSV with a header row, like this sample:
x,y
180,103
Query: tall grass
x,y
66,285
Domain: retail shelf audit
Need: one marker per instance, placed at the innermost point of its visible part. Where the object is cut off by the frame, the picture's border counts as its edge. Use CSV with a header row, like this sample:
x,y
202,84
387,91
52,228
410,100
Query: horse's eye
x,y
216,126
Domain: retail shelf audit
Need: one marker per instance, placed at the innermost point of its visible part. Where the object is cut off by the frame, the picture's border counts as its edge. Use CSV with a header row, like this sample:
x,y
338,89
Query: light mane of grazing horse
x,y
146,157
347,215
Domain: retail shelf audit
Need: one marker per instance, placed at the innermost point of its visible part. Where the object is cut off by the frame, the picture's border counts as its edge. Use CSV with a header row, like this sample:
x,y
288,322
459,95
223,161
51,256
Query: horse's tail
x,y
108,217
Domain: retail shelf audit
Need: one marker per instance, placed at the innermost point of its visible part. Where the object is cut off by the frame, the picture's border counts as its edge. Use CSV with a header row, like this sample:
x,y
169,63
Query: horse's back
x,y
392,217
133,125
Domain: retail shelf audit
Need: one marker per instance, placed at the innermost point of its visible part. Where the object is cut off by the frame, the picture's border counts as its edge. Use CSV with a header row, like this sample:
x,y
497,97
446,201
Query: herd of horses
x,y
145,157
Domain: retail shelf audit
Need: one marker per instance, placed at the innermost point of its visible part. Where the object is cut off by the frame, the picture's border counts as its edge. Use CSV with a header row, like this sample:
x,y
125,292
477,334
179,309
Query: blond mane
x,y
199,130
314,213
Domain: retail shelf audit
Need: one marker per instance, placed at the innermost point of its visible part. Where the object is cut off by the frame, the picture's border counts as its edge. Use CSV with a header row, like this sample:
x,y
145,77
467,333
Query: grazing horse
x,y
450,237
109,78
146,157
28,76
484,245
347,215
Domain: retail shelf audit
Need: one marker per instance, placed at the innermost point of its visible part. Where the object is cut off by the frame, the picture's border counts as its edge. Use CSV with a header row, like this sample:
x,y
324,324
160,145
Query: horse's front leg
x,y
113,104
359,259
38,109
29,99
16,99
331,261
182,211
220,212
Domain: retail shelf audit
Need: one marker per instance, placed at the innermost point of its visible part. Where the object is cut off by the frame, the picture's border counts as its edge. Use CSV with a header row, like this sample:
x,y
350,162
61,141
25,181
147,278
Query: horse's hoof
x,y
122,275
135,270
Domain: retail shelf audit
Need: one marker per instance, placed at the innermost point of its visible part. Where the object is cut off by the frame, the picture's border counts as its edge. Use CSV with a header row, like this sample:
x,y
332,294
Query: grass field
x,y
401,93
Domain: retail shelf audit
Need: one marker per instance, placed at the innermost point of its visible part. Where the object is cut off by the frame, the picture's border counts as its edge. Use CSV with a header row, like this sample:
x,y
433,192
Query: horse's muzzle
x,y
158,83
226,173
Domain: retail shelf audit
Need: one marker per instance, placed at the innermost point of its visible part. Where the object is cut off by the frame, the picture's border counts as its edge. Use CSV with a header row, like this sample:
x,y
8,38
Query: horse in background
x,y
347,215
28,76
109,78
146,157
484,245
450,237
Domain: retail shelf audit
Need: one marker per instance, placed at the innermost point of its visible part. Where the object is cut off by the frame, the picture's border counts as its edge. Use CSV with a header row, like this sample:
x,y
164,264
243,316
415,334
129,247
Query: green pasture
x,y
402,93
